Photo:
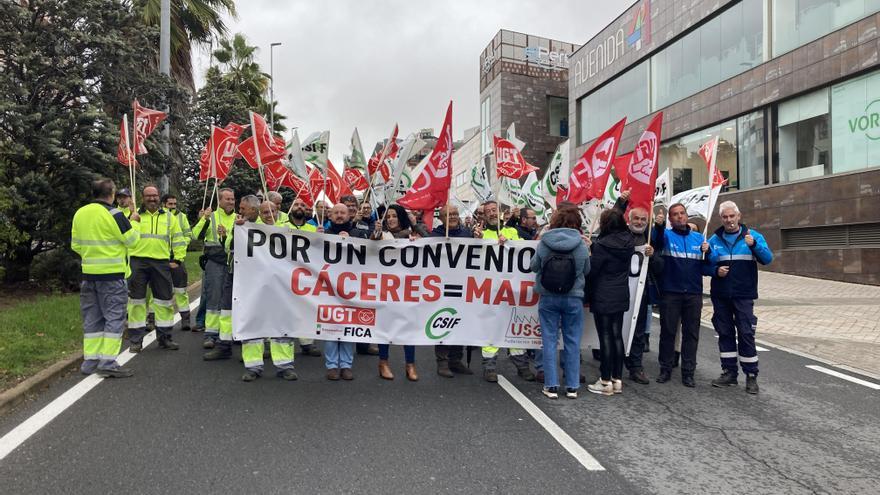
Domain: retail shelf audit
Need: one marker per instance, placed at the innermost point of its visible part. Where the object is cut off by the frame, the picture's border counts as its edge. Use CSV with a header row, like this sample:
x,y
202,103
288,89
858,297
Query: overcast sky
x,y
347,63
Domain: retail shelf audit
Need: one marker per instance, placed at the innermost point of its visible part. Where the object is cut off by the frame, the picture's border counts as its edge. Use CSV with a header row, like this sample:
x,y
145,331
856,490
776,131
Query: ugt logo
x,y
443,319
346,315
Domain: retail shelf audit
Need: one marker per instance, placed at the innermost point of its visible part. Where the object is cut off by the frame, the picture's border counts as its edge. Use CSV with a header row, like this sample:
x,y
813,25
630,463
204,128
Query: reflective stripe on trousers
x,y
280,348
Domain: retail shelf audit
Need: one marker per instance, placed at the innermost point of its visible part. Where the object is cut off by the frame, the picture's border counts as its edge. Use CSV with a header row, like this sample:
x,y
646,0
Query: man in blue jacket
x,y
681,287
734,253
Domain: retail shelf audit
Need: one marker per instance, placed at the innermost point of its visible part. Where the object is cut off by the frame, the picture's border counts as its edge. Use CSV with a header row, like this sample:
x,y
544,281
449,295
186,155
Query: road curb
x,y
15,395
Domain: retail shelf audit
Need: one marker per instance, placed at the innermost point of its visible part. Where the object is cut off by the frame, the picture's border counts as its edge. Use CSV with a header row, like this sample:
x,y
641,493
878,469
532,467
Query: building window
x,y
752,151
485,125
855,127
625,96
729,44
798,22
803,137
689,170
557,112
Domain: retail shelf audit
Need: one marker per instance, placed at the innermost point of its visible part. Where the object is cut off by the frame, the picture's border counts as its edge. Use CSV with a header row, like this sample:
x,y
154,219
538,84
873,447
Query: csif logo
x,y
443,319
869,123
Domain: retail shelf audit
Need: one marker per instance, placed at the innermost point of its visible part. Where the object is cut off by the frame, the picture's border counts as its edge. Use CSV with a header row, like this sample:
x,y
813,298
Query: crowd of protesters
x,y
127,250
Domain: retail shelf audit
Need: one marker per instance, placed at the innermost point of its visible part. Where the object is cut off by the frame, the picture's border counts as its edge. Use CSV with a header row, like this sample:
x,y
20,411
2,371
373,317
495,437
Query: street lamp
x,y
272,87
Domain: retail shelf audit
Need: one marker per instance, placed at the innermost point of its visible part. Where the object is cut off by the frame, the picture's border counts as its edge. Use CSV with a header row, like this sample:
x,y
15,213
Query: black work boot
x,y
167,343
726,379
217,353
664,376
443,369
490,376
457,366
526,374
752,384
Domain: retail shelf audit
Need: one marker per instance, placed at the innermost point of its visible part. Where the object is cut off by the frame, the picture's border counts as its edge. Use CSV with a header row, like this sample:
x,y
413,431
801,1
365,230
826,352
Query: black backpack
x,y
558,272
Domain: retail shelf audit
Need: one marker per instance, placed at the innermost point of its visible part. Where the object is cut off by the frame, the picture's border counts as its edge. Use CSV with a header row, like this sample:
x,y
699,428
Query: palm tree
x,y
192,21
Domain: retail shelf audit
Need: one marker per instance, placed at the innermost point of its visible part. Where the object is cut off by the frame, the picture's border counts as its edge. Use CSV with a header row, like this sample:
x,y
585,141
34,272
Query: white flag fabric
x,y
663,190
357,159
510,192
480,182
511,136
534,197
295,161
408,149
556,175
315,149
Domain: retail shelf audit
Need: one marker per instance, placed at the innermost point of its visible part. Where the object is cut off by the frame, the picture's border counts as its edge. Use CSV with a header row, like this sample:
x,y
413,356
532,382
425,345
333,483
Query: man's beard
x,y
637,230
298,214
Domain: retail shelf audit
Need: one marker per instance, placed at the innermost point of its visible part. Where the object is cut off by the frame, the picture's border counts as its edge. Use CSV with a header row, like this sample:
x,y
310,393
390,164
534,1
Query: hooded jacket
x,y
564,241
608,282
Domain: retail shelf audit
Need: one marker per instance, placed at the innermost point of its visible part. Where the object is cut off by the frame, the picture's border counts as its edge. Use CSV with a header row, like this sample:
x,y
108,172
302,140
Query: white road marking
x,y
842,376
580,454
44,416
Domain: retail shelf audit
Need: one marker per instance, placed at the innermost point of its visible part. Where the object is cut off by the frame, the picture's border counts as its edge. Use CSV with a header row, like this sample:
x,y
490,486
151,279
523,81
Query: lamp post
x,y
165,68
272,86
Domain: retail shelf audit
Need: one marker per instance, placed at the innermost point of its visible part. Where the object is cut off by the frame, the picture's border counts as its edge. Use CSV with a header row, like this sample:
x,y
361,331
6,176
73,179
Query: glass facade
x,y
798,22
626,96
752,150
557,114
727,45
855,127
803,137
689,170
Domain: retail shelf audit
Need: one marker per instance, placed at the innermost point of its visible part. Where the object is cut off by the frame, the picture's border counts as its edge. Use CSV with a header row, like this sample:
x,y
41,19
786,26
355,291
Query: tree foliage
x,y
70,69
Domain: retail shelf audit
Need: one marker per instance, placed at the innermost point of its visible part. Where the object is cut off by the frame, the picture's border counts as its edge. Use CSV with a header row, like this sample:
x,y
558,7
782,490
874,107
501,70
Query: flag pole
x,y
130,160
212,165
205,195
324,182
712,169
447,217
259,160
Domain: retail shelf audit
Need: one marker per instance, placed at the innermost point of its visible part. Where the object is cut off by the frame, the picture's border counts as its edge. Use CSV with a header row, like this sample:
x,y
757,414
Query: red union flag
x,y
316,181
219,153
300,187
509,161
336,187
123,151
388,151
709,151
431,188
590,174
145,122
642,171
262,147
356,178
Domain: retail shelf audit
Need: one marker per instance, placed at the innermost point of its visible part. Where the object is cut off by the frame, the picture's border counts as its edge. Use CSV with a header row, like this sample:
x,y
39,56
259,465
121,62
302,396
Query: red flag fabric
x,y
123,151
275,174
300,187
708,152
388,151
316,181
145,122
509,161
431,188
355,178
225,143
336,187
589,176
621,166
248,151
642,171
236,129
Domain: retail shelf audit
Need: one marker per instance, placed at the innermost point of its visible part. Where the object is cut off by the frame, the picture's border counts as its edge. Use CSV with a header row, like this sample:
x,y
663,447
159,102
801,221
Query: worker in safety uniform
x,y
123,201
490,230
249,209
281,348
101,235
179,277
157,251
212,228
298,220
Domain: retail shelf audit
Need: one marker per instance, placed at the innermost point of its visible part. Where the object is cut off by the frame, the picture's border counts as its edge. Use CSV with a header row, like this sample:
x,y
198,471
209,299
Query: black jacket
x,y
335,229
608,281
461,231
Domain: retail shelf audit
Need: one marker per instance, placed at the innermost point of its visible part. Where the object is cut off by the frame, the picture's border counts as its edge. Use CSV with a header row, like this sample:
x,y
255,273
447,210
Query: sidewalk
x,y
836,321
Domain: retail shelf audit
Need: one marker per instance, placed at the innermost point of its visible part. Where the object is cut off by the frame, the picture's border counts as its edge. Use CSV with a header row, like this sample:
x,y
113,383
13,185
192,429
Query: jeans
x,y
409,352
565,313
685,309
610,328
200,314
338,354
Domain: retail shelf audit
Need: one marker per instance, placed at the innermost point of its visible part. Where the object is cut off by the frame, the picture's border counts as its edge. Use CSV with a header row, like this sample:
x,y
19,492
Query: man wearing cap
x,y
123,201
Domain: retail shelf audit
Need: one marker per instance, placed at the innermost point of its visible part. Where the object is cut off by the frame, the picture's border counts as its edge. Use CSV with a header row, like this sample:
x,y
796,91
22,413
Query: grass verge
x,y
36,332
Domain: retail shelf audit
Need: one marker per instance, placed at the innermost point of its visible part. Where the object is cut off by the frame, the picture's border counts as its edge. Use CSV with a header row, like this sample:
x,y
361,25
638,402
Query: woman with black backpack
x,y
608,288
561,263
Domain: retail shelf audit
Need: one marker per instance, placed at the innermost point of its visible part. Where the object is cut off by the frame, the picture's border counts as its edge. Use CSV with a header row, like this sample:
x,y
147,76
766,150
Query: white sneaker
x,y
571,393
550,392
617,386
601,387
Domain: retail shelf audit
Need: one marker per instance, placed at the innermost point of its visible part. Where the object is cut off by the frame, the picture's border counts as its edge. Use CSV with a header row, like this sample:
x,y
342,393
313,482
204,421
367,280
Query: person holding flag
x,y
212,228
734,253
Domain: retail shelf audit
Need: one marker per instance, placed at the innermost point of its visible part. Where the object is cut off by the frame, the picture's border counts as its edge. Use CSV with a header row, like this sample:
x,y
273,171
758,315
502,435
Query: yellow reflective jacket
x,y
509,233
161,237
102,235
207,229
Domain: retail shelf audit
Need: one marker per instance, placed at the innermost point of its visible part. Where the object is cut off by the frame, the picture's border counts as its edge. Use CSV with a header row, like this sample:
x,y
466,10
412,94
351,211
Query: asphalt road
x,y
182,425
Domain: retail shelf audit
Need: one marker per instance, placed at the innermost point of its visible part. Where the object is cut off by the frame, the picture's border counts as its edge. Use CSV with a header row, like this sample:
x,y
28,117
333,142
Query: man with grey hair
x,y
733,256
280,215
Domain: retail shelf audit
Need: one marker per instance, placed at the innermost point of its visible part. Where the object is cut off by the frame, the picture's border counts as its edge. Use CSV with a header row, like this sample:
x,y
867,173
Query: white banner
x,y
304,284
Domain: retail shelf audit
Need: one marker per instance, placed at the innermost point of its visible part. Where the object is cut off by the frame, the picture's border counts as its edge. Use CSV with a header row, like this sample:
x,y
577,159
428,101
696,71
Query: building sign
x,y
615,45
545,58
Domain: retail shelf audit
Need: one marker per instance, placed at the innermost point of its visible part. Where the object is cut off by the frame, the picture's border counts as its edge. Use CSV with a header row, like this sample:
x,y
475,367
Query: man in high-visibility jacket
x,y
179,277
123,201
158,250
249,209
299,220
519,358
281,348
101,235
213,227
